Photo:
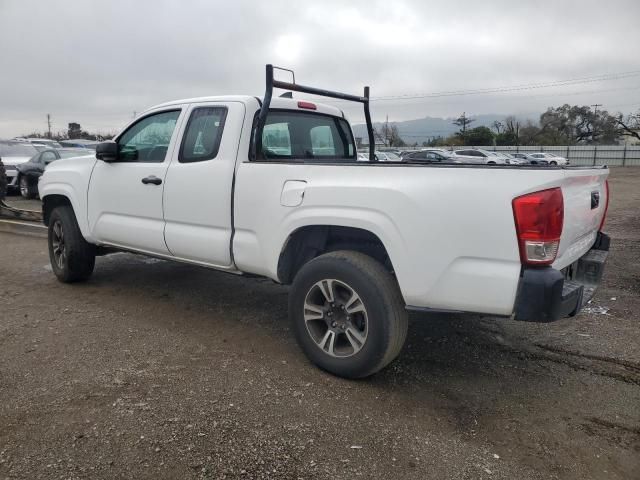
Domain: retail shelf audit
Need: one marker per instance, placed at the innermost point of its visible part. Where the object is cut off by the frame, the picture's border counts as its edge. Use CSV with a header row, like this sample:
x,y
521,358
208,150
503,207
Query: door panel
x,y
198,189
123,210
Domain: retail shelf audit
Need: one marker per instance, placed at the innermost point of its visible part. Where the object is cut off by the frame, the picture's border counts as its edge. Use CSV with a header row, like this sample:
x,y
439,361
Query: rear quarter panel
x,y
449,231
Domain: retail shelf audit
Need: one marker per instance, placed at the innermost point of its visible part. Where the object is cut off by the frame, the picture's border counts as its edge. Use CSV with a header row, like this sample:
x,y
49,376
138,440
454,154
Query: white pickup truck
x,y
273,187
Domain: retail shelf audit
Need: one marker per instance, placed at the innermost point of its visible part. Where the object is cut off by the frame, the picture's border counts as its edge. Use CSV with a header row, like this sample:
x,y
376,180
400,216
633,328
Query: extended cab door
x,y
125,196
199,187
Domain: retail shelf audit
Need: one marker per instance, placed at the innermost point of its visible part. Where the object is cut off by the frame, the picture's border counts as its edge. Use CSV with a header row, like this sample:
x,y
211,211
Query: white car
x,y
14,153
513,160
380,157
550,158
273,187
388,157
479,156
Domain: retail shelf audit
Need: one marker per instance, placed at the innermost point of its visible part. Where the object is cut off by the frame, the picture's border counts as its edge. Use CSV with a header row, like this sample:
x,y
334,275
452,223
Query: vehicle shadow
x,y
438,345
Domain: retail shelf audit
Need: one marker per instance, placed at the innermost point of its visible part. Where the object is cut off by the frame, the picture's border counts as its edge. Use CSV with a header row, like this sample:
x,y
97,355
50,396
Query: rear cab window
x,y
203,134
307,137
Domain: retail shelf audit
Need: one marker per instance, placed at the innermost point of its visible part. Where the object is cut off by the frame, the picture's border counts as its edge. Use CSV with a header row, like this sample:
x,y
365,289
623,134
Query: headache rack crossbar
x,y
296,87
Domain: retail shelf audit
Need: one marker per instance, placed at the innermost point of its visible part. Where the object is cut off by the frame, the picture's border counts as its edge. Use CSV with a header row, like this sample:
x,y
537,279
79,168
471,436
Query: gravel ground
x,y
160,370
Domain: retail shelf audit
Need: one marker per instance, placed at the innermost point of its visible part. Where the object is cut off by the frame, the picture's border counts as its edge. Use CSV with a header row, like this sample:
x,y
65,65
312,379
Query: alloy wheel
x,y
336,318
58,244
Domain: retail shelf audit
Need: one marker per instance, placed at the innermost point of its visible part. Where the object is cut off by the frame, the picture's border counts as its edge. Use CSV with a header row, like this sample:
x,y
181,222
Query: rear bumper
x,y
546,294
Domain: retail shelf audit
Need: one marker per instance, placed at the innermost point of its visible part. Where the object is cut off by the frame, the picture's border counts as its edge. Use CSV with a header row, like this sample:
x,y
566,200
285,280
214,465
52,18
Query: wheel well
x,y
309,242
50,202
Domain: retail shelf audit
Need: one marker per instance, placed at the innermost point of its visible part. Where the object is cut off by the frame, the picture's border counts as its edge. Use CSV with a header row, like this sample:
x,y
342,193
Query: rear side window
x,y
203,134
307,136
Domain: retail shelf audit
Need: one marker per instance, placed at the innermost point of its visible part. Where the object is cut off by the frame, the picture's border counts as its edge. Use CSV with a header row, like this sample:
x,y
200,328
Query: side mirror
x,y
107,151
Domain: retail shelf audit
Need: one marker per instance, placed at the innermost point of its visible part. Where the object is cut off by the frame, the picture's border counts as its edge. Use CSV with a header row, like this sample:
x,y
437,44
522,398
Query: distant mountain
x,y
425,129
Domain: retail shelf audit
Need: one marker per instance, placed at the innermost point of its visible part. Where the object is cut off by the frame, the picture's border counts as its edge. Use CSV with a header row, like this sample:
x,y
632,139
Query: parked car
x,y
525,159
521,156
79,143
12,154
432,155
513,160
380,157
550,158
479,156
388,157
44,141
29,172
359,245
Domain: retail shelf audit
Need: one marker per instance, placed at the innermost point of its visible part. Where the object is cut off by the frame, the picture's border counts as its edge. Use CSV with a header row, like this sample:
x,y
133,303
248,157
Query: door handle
x,y
152,179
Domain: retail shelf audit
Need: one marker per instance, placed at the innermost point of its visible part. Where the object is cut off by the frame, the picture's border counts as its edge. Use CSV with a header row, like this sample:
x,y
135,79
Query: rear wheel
x,y
72,257
348,314
28,188
553,162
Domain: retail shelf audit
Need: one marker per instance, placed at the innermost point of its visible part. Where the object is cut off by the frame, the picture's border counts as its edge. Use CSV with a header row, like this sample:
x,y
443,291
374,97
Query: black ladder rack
x,y
295,87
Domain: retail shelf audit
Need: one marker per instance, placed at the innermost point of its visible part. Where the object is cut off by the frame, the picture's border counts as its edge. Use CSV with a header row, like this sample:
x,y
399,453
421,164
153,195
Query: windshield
x,y
392,156
17,150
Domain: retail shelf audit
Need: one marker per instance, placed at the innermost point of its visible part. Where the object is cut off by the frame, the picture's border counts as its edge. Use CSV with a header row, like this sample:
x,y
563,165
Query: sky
x,y
97,62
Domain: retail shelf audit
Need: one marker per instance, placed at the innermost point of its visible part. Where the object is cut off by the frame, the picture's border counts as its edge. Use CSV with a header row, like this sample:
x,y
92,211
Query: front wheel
x,y
72,257
348,314
28,189
553,162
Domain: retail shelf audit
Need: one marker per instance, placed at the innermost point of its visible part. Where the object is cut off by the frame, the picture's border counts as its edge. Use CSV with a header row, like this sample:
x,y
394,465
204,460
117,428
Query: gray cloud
x,y
96,62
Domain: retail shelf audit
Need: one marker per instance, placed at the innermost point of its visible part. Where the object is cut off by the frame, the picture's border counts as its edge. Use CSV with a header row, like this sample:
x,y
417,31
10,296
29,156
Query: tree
x,y
528,134
629,126
571,124
389,135
497,125
479,136
463,122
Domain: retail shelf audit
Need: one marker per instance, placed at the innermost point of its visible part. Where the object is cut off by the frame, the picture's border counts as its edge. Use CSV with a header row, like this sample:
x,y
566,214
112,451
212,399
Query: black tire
x,y
28,188
3,181
386,318
553,162
72,258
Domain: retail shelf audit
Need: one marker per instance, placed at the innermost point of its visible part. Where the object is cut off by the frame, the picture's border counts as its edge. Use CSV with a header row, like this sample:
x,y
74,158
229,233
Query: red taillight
x,y
606,205
539,217
307,105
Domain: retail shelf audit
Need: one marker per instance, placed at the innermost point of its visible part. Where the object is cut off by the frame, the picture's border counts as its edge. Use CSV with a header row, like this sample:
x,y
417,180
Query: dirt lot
x,y
160,370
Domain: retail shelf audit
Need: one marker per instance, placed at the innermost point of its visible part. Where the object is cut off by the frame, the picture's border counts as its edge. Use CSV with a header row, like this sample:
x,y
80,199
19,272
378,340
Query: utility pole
x,y
134,114
49,125
464,127
386,132
595,119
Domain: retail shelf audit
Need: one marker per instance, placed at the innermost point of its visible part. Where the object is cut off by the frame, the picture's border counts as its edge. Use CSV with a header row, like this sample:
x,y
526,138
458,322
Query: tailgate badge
x,y
595,199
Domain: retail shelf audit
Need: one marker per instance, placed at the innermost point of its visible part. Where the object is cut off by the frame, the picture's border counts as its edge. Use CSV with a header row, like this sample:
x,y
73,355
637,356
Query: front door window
x,y
148,139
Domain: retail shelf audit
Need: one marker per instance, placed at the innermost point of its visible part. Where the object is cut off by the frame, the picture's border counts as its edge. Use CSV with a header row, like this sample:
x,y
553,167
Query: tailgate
x,y
585,200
